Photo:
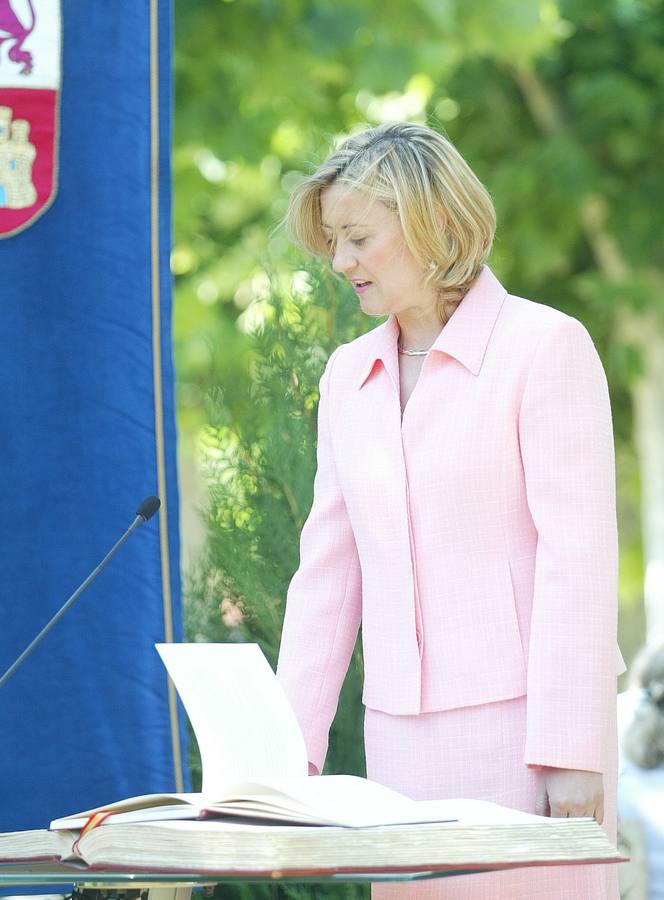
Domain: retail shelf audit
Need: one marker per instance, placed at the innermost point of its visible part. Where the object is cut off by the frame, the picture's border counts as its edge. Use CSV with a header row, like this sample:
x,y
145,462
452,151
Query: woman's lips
x,y
362,286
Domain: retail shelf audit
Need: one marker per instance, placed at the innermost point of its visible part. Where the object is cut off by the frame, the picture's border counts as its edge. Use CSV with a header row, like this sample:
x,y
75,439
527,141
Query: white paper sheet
x,y
243,722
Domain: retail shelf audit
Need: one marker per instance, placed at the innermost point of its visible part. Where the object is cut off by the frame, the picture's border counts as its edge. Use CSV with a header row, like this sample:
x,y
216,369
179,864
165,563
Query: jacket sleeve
x,y
566,440
323,605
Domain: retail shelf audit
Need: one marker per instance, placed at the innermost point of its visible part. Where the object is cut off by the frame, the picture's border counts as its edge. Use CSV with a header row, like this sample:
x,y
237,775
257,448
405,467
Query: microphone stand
x,y
145,511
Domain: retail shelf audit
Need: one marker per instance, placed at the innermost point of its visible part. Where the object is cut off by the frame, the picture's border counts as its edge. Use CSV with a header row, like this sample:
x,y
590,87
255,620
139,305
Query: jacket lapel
x,y
465,336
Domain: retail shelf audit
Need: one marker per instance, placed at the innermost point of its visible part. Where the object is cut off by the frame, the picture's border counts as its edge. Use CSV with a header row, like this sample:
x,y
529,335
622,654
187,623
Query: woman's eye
x,y
358,241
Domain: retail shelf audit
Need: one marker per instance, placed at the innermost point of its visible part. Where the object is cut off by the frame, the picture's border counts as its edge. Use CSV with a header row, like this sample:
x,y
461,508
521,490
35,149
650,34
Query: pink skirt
x,y
478,752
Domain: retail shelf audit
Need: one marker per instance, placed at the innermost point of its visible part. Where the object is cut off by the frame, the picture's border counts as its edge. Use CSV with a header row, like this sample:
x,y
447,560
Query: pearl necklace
x,y
405,352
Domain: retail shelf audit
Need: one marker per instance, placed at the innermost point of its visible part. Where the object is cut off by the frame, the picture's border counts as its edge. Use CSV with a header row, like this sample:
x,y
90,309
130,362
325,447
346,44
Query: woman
x,y
464,510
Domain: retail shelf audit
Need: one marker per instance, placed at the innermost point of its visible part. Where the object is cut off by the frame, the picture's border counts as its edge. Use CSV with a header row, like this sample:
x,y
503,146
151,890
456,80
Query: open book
x,y
253,755
256,788
342,800
486,836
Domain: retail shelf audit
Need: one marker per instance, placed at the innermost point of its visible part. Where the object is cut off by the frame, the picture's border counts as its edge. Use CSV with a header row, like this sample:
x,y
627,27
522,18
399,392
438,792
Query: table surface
x,y
21,875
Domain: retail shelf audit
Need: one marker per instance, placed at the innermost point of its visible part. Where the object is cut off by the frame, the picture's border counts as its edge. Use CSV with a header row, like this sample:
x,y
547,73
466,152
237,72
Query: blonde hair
x,y
446,214
643,740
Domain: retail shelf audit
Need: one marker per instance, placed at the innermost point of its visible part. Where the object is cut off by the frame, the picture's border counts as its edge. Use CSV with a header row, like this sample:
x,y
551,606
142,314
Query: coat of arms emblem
x,y
30,50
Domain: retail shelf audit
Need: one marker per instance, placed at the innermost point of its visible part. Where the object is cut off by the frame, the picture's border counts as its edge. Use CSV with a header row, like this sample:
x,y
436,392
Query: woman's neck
x,y
419,334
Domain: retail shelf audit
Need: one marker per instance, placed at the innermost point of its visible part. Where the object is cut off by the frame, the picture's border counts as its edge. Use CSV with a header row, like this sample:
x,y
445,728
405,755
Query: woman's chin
x,y
372,307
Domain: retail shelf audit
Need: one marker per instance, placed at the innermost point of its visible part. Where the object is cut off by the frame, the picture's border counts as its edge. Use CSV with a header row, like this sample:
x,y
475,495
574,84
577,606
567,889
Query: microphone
x,y
148,508
145,511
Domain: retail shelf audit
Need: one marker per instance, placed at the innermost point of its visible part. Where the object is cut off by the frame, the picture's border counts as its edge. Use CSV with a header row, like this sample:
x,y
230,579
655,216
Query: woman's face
x,y
368,247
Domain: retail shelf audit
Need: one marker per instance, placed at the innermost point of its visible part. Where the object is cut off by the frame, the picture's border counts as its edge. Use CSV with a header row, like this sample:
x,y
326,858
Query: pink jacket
x,y
475,539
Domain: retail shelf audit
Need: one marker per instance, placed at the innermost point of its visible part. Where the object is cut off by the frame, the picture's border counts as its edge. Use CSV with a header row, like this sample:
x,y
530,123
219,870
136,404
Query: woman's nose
x,y
343,259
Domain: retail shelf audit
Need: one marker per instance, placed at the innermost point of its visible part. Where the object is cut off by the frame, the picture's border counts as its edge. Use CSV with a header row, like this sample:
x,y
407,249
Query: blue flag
x,y
87,424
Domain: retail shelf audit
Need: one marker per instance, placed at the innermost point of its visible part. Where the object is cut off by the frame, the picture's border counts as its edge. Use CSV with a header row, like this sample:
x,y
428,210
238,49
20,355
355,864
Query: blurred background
x,y
557,106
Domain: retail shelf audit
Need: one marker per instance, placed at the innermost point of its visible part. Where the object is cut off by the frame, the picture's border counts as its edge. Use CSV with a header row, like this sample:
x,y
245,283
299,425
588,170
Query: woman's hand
x,y
570,792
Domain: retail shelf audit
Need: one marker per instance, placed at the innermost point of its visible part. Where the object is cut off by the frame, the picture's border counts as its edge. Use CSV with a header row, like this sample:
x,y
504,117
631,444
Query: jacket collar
x,y
465,336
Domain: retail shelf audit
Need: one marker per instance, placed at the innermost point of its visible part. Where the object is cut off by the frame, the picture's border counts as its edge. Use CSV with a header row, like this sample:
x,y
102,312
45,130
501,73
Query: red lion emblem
x,y
12,29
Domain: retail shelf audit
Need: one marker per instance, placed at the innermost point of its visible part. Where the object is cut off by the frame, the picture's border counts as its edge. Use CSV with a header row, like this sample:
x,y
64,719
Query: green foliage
x,y
261,465
348,891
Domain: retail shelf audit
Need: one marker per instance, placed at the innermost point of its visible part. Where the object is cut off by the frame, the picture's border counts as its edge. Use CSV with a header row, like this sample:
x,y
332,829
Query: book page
x,y
16,846
142,808
332,800
477,812
343,800
243,722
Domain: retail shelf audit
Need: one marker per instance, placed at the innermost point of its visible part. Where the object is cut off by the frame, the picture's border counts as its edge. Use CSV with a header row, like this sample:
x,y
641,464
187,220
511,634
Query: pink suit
x,y
476,540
